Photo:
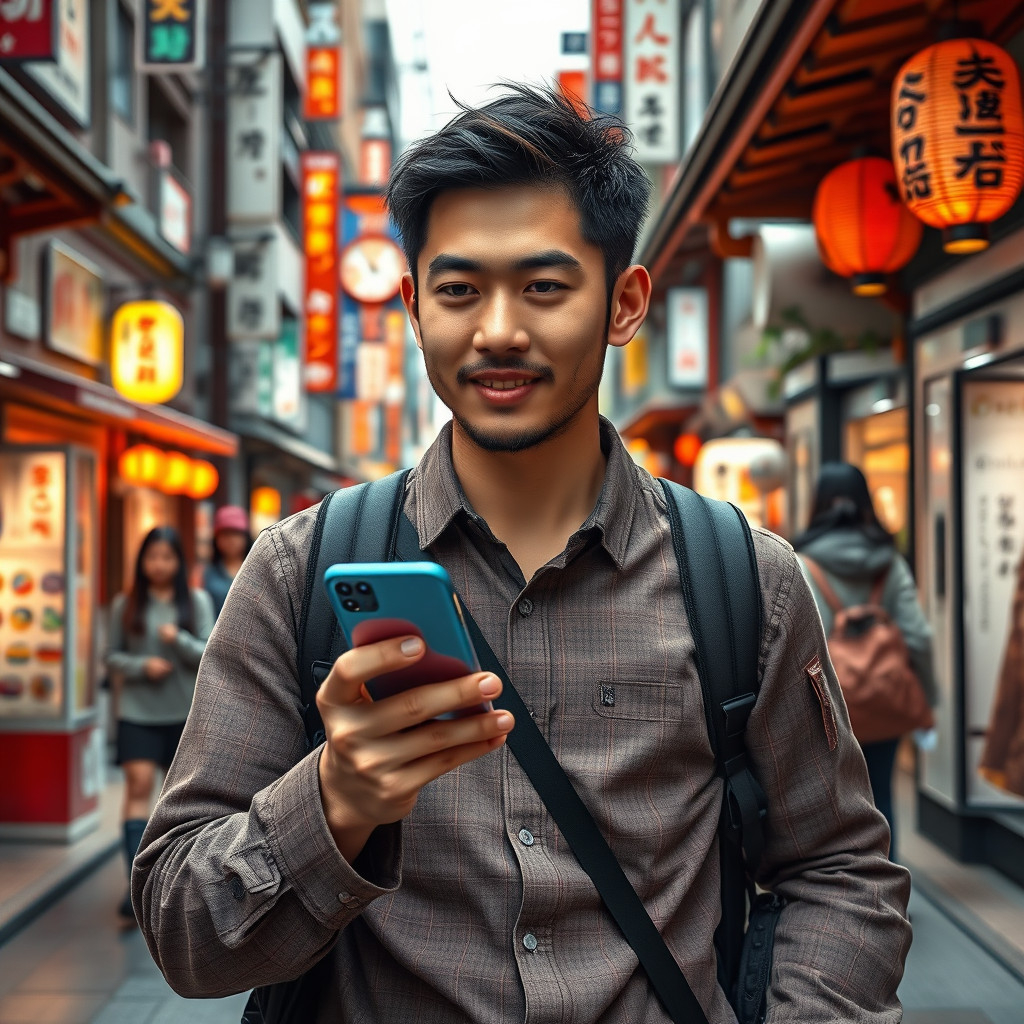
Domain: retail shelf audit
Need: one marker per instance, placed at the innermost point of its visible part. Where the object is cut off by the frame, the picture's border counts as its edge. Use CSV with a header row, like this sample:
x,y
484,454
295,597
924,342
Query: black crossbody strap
x,y
719,579
576,824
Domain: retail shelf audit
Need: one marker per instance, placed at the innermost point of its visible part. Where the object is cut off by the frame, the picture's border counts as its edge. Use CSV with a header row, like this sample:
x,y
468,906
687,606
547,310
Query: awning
x,y
49,180
25,380
810,85
277,441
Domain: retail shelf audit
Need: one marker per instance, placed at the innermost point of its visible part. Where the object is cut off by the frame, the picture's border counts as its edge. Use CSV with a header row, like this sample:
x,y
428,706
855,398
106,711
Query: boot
x,y
133,829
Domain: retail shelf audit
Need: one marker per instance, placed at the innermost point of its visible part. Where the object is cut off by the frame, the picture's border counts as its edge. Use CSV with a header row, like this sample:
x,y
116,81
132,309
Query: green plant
x,y
777,344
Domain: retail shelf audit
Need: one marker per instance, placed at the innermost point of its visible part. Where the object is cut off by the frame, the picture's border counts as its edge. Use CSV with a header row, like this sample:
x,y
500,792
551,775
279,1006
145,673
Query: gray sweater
x,y
158,701
852,562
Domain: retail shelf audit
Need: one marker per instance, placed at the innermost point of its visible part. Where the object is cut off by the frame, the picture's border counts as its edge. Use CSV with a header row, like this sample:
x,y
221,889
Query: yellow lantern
x,y
147,351
177,473
265,503
142,465
203,481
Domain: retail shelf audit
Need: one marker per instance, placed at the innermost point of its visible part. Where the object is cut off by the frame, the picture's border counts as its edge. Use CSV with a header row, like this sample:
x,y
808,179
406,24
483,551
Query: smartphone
x,y
375,601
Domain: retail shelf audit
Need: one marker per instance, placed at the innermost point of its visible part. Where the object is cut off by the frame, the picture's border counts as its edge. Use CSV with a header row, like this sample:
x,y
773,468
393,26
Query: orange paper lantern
x,y
958,138
177,473
864,232
142,465
203,481
687,448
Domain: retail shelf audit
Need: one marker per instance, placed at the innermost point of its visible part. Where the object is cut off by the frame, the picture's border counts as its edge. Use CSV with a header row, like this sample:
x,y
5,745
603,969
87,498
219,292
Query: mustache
x,y
522,365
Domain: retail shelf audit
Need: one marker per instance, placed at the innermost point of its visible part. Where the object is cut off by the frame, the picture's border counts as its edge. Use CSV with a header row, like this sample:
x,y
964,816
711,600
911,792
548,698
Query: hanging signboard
x,y
175,211
687,315
321,185
253,307
254,118
67,80
170,35
74,305
251,373
28,30
606,56
323,63
652,78
147,351
288,400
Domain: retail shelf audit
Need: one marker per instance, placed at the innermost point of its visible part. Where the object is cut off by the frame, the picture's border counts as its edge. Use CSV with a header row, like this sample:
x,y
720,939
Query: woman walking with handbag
x,y
158,631
863,586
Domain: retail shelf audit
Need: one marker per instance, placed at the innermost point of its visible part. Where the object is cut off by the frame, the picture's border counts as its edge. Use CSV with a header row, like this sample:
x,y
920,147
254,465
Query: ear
x,y
411,307
631,297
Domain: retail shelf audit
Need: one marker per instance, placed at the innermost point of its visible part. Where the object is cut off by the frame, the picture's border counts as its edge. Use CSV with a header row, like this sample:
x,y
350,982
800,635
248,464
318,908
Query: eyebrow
x,y
448,263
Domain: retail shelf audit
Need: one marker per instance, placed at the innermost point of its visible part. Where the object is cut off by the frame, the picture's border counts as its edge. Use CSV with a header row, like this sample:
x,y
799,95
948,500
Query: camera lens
x,y
364,588
350,605
345,589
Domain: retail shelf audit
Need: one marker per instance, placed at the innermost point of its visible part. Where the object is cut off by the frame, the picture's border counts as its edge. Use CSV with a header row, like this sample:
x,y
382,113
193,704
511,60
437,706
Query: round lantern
x,y
203,481
687,448
147,346
958,138
142,465
864,232
177,473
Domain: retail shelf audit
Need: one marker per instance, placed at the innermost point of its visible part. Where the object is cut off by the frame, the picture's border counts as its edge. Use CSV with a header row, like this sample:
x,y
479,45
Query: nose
x,y
498,331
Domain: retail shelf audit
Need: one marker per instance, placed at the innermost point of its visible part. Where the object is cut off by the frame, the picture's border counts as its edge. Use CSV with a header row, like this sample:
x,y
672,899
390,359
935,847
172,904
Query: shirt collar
x,y
439,497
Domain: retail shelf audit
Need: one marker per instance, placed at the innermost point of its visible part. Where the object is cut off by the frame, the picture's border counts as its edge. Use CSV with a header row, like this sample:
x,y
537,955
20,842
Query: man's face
x,y
510,313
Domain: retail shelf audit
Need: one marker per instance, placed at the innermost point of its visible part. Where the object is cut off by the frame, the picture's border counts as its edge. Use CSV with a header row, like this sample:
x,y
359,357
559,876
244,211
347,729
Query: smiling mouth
x,y
504,385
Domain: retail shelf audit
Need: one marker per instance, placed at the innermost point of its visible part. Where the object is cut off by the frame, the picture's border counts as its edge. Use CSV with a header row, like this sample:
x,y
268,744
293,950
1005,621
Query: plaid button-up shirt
x,y
473,909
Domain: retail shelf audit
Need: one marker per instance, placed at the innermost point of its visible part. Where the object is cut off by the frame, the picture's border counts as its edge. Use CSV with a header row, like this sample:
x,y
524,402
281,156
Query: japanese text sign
x,y
323,63
170,35
74,308
67,78
28,30
253,307
321,186
687,312
147,351
254,118
652,29
606,63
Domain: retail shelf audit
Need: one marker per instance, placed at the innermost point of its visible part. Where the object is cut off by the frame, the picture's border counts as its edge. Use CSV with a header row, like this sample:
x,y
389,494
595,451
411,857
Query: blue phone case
x,y
378,600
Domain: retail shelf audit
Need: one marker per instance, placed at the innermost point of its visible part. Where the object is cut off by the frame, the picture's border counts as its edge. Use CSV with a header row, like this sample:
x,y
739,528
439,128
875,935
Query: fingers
x,y
344,683
422,703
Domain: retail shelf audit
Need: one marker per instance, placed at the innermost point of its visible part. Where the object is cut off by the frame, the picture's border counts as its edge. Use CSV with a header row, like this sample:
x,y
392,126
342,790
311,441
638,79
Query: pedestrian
x,y
232,541
158,631
846,541
411,857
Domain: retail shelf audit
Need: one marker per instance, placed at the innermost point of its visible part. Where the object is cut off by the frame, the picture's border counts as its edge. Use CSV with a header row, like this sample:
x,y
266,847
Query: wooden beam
x,y
726,245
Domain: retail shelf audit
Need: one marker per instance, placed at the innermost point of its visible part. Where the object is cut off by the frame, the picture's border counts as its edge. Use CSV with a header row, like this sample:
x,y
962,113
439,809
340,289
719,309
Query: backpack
x,y
883,695
366,523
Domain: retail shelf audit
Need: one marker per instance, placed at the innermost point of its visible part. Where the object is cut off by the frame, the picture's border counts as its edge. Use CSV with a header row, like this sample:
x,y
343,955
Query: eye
x,y
545,287
456,291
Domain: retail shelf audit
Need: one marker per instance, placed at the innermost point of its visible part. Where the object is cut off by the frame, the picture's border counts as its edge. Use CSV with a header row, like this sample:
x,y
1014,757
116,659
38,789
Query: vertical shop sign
x,y
74,305
251,372
288,400
170,36
652,78
321,185
993,539
254,118
350,338
175,211
573,86
372,371
253,307
687,337
28,30
374,161
67,80
323,64
606,62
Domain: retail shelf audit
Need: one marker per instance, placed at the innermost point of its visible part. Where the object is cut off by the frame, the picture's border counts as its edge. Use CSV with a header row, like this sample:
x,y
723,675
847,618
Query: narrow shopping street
x,y
75,964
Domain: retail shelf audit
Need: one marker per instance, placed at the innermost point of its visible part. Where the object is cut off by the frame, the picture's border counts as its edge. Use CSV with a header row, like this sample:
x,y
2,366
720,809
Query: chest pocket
x,y
641,702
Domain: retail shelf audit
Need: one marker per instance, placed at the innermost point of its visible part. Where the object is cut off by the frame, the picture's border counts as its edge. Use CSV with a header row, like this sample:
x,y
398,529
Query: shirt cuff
x,y
310,862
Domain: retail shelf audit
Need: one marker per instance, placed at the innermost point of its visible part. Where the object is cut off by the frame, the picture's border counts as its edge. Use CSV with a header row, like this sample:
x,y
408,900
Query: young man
x,y
414,854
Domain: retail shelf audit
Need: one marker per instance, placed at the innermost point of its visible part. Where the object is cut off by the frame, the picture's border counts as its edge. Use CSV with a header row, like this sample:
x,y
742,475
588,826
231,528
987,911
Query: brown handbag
x,y
883,695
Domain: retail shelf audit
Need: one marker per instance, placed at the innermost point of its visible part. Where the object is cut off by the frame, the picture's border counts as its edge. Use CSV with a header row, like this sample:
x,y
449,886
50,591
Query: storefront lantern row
x,y
958,138
147,351
864,231
143,465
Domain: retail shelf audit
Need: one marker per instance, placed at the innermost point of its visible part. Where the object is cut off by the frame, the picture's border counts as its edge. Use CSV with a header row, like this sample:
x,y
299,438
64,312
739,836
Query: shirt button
x,y
237,889
530,941
526,837
525,607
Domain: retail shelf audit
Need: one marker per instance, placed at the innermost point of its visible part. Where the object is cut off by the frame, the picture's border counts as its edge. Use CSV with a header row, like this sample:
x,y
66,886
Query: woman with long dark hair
x,y
853,551
232,541
158,631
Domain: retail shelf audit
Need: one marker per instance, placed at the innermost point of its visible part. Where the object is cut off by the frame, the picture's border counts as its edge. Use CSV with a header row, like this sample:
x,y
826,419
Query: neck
x,y
162,593
536,499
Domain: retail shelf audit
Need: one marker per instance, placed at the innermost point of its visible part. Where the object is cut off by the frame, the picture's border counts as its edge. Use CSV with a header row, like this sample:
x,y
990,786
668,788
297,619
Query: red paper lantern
x,y
958,138
687,448
142,465
864,232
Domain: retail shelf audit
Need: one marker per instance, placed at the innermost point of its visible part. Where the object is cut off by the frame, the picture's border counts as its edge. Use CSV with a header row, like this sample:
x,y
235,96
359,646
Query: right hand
x,y
380,754
157,668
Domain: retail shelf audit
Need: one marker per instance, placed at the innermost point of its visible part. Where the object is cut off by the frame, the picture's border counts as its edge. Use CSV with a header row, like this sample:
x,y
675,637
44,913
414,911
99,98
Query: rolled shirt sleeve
x,y
843,935
238,881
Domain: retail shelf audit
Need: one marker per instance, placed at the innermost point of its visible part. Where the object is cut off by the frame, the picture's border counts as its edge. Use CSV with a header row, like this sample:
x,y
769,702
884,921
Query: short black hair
x,y
528,136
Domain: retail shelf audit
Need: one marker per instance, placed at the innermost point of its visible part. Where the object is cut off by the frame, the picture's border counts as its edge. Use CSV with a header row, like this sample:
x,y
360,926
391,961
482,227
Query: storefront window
x,y
879,446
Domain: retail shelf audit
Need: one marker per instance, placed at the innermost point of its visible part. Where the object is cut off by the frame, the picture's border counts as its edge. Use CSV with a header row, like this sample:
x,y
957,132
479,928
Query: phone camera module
x,y
345,589
364,588
350,605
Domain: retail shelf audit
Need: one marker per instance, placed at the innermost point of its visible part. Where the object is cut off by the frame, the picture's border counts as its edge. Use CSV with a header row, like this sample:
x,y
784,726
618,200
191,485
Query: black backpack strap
x,y
715,553
354,524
